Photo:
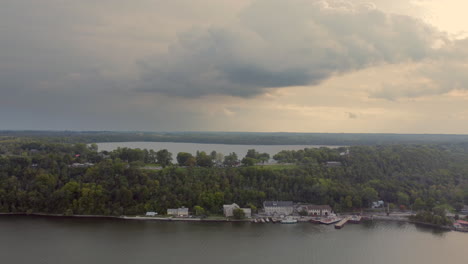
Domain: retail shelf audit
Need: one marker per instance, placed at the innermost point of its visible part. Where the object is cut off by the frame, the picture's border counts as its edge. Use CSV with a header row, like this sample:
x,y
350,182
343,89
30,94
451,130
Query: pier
x,y
343,221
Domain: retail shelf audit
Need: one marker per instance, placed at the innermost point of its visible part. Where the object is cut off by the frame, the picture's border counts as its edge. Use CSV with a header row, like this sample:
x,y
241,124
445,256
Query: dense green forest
x,y
39,176
248,138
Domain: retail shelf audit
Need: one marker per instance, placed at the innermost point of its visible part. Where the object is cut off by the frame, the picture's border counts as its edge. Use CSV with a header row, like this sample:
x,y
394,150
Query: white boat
x,y
289,220
266,220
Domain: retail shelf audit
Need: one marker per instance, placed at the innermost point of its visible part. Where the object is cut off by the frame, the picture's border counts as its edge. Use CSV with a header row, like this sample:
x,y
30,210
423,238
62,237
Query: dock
x,y
343,221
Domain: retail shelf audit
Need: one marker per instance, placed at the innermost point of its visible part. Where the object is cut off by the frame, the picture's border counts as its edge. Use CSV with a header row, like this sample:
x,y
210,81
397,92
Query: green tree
x,y
403,198
199,211
369,195
247,161
231,160
238,213
164,157
204,160
183,158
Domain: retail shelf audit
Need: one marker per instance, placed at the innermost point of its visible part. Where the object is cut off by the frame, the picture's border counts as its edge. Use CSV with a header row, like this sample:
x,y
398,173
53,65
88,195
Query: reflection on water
x,y
69,240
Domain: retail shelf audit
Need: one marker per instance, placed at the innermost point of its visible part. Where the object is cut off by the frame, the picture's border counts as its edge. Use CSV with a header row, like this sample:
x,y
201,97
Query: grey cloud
x,y
279,44
445,71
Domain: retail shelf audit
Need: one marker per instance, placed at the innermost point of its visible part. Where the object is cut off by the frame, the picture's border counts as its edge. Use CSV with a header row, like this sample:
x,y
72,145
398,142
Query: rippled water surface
x,y
66,240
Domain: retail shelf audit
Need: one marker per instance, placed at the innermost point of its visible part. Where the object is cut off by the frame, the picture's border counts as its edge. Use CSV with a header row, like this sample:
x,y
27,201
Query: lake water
x,y
174,148
48,240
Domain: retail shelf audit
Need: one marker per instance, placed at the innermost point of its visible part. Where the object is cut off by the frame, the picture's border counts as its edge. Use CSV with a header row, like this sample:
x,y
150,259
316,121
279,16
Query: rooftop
x,y
277,203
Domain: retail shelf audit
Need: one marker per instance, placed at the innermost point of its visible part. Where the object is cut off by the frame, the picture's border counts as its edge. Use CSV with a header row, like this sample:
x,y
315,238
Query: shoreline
x,y
213,220
125,217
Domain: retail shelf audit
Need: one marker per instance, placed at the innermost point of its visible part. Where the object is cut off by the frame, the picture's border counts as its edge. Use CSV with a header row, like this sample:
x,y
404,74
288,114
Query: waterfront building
x,y
181,212
228,210
315,210
278,207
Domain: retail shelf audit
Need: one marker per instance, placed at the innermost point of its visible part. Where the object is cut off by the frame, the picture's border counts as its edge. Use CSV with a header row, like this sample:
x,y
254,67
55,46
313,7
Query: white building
x,y
181,212
315,210
278,207
247,212
229,210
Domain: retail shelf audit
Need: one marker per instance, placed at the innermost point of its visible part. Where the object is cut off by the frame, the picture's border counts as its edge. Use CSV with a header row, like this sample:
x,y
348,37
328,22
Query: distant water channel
x,y
174,147
48,240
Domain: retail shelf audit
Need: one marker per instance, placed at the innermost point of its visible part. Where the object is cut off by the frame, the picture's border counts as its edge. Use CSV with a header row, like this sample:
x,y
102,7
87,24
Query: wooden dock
x,y
340,224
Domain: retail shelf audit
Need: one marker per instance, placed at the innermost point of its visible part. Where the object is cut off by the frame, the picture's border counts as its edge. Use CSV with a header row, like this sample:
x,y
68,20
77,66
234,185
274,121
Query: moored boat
x,y
315,220
289,220
330,220
355,219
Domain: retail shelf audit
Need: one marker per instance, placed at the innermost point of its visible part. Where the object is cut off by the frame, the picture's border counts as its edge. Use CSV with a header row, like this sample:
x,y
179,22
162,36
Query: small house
x,y
179,212
228,209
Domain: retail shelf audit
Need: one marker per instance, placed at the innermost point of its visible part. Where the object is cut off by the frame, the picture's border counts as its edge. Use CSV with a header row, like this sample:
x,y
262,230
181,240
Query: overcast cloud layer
x,y
250,65
279,43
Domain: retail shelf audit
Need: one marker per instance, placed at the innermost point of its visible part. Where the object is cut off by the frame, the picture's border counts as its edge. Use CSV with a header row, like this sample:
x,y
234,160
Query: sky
x,y
337,66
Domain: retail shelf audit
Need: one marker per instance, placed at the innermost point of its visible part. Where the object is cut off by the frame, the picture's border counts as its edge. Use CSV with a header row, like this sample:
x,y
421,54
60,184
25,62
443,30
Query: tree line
x,y
37,176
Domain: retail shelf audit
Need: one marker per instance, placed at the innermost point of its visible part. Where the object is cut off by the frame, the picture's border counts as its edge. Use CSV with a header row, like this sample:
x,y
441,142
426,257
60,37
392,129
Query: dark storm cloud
x,y
280,44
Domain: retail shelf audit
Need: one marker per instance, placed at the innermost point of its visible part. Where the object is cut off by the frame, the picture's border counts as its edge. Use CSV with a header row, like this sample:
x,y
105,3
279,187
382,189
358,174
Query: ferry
x,y
289,220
